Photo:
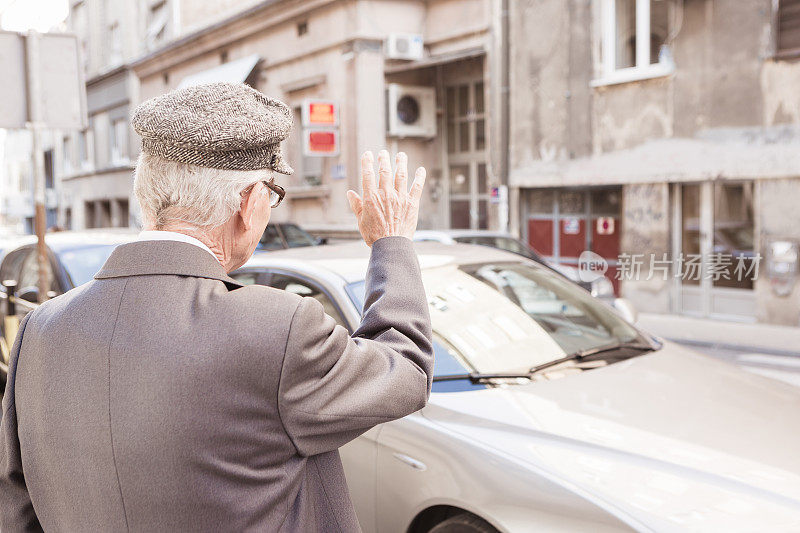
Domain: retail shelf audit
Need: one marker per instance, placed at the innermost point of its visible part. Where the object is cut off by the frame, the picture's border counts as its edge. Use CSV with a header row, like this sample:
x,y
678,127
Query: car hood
x,y
668,440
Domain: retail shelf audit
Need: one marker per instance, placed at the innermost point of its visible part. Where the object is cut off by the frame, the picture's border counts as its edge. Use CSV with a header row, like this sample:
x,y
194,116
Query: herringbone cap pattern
x,y
228,126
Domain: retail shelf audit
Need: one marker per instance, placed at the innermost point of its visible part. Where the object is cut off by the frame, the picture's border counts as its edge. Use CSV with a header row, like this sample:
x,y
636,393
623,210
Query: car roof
x,y
456,233
63,240
349,260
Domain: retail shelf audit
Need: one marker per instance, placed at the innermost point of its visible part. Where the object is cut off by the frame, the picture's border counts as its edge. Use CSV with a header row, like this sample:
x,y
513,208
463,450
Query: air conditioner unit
x,y
411,111
404,46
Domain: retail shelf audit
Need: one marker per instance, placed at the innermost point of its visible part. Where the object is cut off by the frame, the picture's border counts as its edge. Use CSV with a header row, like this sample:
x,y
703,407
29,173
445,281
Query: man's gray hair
x,y
169,191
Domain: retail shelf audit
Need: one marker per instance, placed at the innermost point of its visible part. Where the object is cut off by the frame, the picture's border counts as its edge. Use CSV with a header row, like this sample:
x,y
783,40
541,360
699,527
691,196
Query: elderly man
x,y
165,396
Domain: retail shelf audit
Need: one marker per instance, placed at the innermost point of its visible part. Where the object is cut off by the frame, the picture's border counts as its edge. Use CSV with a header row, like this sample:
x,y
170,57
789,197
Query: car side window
x,y
9,269
271,239
305,288
296,237
245,277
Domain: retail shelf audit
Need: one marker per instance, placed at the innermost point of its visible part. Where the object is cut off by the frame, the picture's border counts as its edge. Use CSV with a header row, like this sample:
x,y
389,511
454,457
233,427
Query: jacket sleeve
x,y
334,387
16,509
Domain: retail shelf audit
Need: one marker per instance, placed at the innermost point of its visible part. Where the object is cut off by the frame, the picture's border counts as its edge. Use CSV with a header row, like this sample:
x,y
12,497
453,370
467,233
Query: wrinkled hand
x,y
387,208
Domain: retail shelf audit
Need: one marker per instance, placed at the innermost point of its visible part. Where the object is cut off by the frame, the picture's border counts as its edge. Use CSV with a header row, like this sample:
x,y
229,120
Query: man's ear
x,y
248,207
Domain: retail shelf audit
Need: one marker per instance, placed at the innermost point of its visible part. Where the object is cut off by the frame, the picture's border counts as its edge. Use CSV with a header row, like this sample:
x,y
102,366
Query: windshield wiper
x,y
580,355
476,377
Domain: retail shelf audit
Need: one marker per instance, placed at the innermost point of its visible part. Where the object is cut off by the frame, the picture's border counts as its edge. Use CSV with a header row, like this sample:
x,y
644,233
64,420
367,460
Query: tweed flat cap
x,y
220,125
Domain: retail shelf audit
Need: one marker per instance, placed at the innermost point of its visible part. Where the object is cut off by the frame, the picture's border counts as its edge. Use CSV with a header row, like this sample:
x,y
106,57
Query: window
x,y
466,147
66,154
80,25
788,31
49,174
634,40
465,106
302,28
120,213
304,288
115,40
157,20
84,138
118,136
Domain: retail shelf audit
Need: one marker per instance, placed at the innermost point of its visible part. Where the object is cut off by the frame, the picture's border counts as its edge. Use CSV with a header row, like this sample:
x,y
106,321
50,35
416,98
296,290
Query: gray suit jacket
x,y
165,396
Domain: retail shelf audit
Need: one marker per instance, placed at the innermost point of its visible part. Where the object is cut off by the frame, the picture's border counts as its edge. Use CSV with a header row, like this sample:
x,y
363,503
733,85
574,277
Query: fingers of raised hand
x,y
385,171
416,188
355,202
367,172
401,175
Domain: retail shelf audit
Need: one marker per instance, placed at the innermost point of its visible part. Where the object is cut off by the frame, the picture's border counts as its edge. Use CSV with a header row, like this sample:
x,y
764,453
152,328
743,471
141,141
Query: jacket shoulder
x,y
262,296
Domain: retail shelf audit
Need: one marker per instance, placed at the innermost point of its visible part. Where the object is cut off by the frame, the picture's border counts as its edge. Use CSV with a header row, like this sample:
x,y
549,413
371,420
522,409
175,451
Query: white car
x,y
549,412
601,287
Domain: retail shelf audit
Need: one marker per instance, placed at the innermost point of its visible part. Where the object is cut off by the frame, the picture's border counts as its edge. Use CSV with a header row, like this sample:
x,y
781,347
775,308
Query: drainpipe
x,y
509,219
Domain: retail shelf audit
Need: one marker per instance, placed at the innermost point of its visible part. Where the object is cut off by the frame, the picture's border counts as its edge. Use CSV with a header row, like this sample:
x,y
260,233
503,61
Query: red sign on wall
x,y
321,142
320,113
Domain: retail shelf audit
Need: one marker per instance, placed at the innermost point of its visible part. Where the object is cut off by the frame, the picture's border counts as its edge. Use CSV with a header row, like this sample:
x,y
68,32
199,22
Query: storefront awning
x,y
236,71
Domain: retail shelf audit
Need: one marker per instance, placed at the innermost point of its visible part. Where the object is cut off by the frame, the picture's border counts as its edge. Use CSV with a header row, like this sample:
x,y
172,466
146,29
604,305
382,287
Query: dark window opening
x,y
788,30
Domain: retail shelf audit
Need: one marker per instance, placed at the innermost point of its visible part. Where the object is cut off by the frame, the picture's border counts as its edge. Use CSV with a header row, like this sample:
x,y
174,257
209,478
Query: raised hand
x,y
387,208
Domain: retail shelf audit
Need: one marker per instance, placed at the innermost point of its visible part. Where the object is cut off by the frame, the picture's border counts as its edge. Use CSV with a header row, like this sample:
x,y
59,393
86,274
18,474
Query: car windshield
x,y
83,263
509,317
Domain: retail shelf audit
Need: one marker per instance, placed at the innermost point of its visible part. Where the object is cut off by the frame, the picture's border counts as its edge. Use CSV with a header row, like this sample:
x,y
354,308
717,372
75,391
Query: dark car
x,y
282,235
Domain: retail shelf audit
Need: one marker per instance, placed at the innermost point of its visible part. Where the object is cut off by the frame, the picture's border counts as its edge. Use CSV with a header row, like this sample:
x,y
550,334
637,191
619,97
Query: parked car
x,y
74,257
550,412
281,235
600,287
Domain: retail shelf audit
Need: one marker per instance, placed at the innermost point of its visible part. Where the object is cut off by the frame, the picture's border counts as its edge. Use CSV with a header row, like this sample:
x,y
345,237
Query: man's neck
x,y
212,241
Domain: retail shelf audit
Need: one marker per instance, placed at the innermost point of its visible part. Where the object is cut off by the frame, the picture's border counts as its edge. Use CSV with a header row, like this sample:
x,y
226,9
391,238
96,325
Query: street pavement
x,y
768,350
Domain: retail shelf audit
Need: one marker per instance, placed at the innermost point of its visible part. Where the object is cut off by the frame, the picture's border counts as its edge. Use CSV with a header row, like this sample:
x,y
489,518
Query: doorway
x,y
466,156
563,223
713,247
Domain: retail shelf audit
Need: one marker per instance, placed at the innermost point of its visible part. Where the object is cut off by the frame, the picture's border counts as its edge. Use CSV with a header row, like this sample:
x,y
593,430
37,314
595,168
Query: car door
x,y
360,455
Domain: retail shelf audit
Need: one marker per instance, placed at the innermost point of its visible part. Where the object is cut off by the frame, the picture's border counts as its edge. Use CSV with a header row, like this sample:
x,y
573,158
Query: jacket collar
x,y
143,258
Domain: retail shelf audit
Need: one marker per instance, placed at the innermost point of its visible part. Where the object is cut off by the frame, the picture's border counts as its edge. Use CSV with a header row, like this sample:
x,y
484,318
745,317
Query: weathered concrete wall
x,y
777,218
718,54
645,230
625,115
550,65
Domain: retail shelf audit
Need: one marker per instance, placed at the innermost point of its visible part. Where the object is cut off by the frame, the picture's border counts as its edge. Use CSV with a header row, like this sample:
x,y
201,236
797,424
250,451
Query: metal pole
x,y
35,117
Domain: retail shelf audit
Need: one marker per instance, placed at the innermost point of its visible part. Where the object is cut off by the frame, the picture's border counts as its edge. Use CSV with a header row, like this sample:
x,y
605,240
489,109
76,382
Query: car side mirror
x,y
626,309
29,294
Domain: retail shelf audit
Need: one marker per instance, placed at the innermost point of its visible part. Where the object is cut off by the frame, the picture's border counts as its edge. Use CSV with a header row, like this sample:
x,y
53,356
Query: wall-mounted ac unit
x,y
404,46
411,111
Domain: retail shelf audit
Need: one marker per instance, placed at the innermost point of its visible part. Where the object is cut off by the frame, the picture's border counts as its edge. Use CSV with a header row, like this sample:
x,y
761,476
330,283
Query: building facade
x,y
96,169
351,53
663,130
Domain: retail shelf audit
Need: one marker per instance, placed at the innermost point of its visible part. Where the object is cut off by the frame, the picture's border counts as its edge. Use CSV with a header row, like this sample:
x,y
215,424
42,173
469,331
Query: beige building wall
x,y
338,56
